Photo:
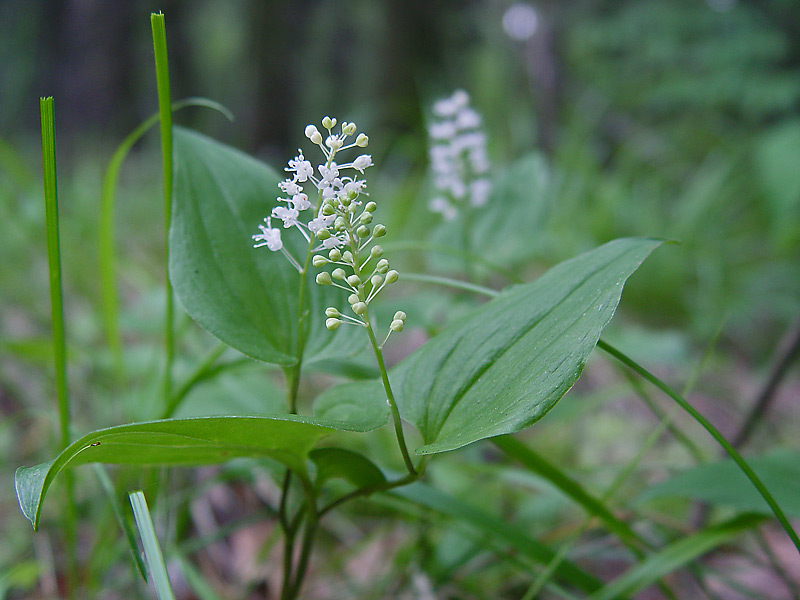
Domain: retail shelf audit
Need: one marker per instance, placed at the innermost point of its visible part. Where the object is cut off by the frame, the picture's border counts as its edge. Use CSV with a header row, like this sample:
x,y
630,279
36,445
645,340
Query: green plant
x,y
494,372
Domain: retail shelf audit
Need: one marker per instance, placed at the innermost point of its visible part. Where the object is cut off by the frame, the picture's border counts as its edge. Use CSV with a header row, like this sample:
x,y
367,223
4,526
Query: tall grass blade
x,y
165,120
49,176
732,452
54,264
152,549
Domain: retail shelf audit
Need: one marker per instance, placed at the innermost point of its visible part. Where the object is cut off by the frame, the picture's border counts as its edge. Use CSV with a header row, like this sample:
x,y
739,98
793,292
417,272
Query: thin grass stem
x,y
714,432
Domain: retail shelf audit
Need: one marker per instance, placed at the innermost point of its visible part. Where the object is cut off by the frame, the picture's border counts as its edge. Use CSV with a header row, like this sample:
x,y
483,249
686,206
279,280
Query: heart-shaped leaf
x,y
501,368
186,442
246,297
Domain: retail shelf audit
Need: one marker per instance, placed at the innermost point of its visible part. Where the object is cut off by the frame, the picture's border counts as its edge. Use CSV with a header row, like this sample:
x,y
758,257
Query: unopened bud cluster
x,y
459,160
342,226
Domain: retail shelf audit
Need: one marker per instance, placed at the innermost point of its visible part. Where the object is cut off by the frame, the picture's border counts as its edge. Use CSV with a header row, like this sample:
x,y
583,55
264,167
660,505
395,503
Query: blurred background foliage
x,y
606,118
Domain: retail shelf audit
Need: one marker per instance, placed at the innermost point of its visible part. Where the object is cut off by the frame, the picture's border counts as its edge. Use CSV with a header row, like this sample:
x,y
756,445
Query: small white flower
x,y
290,187
301,167
269,237
321,222
334,142
355,186
362,162
300,202
333,242
329,173
287,215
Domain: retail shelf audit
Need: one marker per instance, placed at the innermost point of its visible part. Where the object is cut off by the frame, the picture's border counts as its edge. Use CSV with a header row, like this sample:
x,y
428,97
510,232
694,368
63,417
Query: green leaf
x,y
183,442
724,483
361,403
246,297
675,556
344,464
501,368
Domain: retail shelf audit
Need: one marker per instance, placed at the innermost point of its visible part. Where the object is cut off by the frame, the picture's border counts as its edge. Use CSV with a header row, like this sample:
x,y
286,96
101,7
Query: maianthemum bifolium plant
x,y
302,291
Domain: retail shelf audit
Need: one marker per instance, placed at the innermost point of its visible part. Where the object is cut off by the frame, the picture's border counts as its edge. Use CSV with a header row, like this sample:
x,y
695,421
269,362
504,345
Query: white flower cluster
x,y
330,183
459,159
342,228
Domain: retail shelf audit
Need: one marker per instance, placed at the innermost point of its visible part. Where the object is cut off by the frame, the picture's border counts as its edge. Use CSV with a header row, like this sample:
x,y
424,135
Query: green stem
x,y
732,452
165,121
398,423
383,487
49,177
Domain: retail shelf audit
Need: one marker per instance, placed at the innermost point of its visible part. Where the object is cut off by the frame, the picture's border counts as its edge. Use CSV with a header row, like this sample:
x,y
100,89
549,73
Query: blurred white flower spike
x,y
459,158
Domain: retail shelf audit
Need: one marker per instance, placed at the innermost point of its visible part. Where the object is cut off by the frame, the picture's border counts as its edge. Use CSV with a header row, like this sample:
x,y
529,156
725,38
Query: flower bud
x,y
338,273
382,266
366,218
362,140
359,308
347,256
396,325
362,231
353,298
376,251
332,311
379,230
324,278
332,324
339,224
392,276
323,234
354,280
328,209
348,128
362,162
328,123
399,316
313,134
335,255
376,281
345,200
319,261
371,206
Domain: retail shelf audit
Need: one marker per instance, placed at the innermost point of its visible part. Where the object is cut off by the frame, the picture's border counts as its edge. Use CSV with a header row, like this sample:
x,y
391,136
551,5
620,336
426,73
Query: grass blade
x,y
165,120
49,177
152,550
108,489
732,452
674,556
54,264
